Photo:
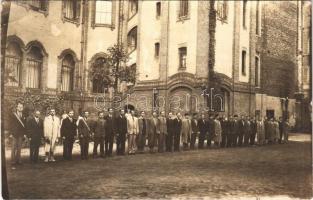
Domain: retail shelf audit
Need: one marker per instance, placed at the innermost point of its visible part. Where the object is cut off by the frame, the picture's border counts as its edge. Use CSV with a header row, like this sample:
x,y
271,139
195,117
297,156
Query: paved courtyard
x,y
274,171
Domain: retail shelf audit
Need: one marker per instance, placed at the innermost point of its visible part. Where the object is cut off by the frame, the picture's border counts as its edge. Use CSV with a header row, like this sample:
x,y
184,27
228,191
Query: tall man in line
x,y
143,129
35,134
203,129
99,135
241,130
132,132
225,130
17,126
51,133
186,131
109,138
177,132
211,129
163,132
68,134
84,134
171,126
121,131
154,132
195,131
247,130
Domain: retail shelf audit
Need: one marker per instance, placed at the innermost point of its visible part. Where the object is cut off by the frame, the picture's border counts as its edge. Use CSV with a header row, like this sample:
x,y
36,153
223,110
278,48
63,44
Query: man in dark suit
x,y
231,133
195,130
211,129
171,126
225,130
247,131
35,134
121,131
177,132
241,130
68,133
99,135
109,137
253,131
203,129
84,134
17,129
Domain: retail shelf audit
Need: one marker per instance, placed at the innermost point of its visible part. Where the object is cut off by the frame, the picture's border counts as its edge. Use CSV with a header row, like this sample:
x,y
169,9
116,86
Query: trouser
x,y
246,139
16,149
68,148
177,142
280,136
252,138
141,142
209,140
285,133
153,139
50,146
98,141
161,137
169,142
224,140
120,144
229,139
201,140
193,140
131,143
109,145
84,146
240,139
34,150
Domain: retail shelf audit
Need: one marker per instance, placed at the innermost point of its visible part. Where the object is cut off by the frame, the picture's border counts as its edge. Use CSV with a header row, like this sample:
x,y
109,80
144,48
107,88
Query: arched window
x,y
67,73
132,39
132,8
34,65
101,79
13,60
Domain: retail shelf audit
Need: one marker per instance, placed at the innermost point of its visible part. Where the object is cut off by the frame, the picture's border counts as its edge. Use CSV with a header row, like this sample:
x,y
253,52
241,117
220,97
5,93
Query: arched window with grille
x,y
132,39
13,64
101,78
34,63
67,73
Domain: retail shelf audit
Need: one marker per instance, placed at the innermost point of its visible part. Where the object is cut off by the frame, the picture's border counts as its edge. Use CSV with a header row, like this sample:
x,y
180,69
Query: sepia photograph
x,y
156,99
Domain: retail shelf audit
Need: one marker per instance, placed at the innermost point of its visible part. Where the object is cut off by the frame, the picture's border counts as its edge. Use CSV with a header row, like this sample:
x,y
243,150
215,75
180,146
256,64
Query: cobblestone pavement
x,y
279,171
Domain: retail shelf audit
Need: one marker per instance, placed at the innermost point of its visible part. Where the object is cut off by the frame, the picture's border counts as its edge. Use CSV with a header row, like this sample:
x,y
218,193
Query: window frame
x,y
128,39
158,10
113,16
157,49
74,20
186,16
222,10
28,5
244,62
244,13
72,74
180,58
128,12
257,71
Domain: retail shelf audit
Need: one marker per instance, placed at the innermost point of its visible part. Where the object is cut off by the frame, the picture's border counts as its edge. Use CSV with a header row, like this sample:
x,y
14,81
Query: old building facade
x,y
52,44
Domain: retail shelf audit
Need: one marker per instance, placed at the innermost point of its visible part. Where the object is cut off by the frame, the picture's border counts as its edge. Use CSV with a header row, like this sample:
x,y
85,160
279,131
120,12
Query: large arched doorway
x,y
181,99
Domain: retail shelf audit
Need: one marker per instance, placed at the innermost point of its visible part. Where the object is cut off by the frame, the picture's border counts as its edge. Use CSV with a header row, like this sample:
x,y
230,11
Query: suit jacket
x,y
241,127
154,125
203,126
178,126
186,130
132,125
211,127
51,127
68,128
141,122
171,126
84,128
110,126
225,127
194,126
247,127
100,128
163,125
17,126
121,125
34,129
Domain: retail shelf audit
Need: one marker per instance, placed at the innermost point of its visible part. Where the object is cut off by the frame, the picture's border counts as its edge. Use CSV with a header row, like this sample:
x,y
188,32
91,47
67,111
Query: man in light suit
x,y
51,133
143,129
154,131
132,132
195,131
84,133
163,132
186,131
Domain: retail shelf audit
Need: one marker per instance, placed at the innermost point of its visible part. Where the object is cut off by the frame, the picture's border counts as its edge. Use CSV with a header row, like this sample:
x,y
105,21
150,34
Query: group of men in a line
x,y
160,133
